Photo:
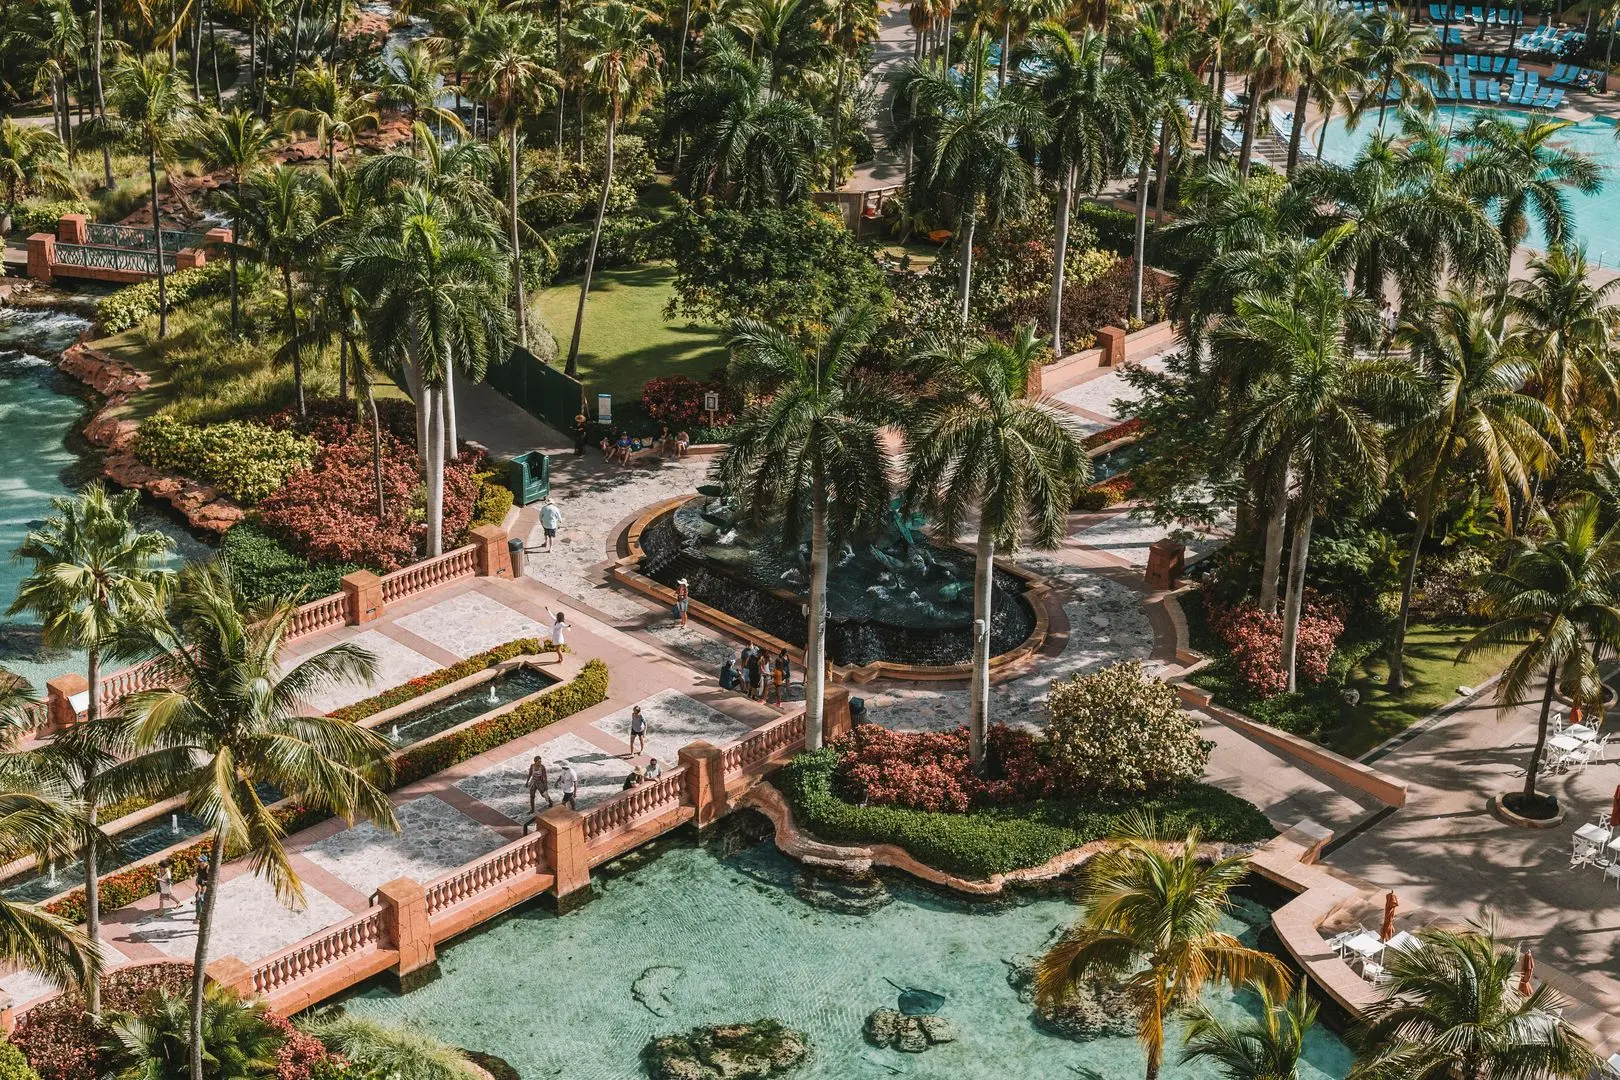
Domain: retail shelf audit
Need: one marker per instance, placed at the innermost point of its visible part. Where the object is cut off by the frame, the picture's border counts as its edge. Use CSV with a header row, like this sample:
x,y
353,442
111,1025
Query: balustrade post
x,y
41,256
835,718
705,781
73,229
61,709
562,839
363,591
489,552
231,973
406,927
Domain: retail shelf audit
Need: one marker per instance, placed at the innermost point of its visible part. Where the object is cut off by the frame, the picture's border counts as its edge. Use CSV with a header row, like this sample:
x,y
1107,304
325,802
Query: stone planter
x,y
1498,805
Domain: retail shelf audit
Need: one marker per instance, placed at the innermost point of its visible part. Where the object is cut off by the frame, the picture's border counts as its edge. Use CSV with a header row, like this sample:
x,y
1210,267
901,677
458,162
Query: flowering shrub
x,y
244,460
1119,431
41,215
1100,496
300,1056
1117,730
1254,639
57,1037
1448,585
676,399
130,305
929,770
494,500
13,1065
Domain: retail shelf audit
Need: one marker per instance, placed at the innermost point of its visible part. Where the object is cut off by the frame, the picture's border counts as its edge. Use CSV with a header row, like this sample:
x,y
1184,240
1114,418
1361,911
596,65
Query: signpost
x,y
604,408
711,404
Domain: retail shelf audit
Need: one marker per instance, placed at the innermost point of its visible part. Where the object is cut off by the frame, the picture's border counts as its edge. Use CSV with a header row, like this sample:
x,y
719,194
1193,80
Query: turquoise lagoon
x,y
732,939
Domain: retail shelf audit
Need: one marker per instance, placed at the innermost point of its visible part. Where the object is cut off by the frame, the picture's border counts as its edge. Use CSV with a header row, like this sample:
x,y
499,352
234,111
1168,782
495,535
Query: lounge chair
x,y
1488,90
1436,14
1465,89
1556,101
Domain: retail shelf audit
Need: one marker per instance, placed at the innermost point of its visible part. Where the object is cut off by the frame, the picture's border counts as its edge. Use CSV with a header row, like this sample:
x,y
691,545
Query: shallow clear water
x,y
1596,217
554,996
133,845
39,459
456,709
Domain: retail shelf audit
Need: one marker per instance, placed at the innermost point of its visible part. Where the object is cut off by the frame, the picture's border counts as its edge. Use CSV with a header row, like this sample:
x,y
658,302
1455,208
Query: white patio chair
x,y
1336,942
1373,972
1613,1065
1612,873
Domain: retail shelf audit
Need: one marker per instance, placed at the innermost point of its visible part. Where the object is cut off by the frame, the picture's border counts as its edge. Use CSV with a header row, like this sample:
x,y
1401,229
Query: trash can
x,y
514,548
857,711
529,477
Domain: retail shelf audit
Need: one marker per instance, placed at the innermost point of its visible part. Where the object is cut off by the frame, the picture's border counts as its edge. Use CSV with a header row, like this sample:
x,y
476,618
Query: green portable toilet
x,y
529,477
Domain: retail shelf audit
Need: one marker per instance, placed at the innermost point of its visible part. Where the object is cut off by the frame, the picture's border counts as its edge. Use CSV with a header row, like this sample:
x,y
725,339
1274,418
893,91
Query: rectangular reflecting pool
x,y
690,935
458,708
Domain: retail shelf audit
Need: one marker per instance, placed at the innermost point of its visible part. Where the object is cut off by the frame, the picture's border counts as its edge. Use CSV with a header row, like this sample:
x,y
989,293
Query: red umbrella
x,y
1614,810
1389,917
1527,965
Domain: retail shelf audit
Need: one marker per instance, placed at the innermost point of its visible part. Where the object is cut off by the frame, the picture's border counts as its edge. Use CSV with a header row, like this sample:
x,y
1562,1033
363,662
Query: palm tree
x,y
980,442
151,1043
458,173
1272,49
620,62
1269,1048
1554,604
1569,328
412,84
972,131
95,574
1452,1008
508,68
809,443
851,25
150,106
1222,24
388,1051
229,717
1479,418
235,143
324,104
1391,50
1525,172
1327,69
279,214
1089,115
31,159
1149,916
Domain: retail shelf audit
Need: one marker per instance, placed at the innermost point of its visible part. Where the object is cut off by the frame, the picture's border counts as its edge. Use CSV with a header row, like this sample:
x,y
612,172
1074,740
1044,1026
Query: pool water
x,y
458,708
134,845
1596,217
41,458
716,939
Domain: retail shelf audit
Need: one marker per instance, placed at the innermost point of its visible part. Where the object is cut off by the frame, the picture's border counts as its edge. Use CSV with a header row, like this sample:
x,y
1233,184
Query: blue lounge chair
x,y
1556,101
1540,100
1516,94
1488,90
1437,14
1512,67
1465,90
1559,73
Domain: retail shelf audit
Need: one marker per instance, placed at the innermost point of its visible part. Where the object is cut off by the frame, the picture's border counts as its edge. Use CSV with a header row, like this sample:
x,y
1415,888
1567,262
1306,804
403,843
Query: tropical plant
x,y
1391,51
95,574
151,1042
1271,47
322,102
1150,911
848,29
809,446
389,1051
1328,70
982,445
412,84
1553,604
1269,1048
227,718
32,159
1522,167
235,143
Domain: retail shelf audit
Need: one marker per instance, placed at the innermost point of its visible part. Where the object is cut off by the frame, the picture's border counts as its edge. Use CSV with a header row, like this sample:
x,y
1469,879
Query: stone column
x,y
563,843
190,258
1111,340
405,924
363,590
60,711
1165,561
705,781
41,256
231,973
217,237
8,1014
490,551
73,229
835,718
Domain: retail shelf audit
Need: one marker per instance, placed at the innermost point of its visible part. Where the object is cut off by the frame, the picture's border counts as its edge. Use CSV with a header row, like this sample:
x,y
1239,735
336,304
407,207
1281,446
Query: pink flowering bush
x,y
930,770
1254,638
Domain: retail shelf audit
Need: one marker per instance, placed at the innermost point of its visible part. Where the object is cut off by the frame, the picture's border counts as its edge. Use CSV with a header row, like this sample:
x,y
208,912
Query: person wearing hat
x,y
550,520
580,431
682,599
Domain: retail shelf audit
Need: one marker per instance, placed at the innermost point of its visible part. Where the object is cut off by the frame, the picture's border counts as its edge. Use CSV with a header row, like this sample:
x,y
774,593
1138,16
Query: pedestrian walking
x,y
165,884
778,678
550,521
581,432
568,785
756,672
683,599
559,632
203,879
638,730
538,785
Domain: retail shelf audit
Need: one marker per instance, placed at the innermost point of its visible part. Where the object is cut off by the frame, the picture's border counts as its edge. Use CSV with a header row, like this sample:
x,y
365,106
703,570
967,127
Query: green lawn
x,y
1432,678
626,339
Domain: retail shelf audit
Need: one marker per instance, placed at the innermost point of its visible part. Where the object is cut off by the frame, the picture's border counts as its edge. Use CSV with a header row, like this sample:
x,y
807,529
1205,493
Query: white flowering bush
x,y
1118,730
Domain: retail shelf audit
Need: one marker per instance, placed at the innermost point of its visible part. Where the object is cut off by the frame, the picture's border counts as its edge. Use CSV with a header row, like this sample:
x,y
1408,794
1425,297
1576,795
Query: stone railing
x,y
131,680
508,862
323,614
460,563
762,744
303,958
624,810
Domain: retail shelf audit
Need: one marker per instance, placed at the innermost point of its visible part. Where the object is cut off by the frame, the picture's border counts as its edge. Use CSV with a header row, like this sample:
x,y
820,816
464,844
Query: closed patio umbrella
x,y
1527,966
1388,930
1614,809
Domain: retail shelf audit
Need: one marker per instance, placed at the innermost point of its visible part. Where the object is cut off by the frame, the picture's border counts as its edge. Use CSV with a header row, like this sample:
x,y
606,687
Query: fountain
x,y
894,597
492,698
174,824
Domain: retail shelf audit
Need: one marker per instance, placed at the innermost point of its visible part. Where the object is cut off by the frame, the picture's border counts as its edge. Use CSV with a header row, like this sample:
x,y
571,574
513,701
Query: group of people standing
x,y
758,674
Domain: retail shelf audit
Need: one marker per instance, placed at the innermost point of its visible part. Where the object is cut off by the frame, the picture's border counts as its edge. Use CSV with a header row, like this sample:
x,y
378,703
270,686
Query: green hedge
x,y
264,567
13,1065
244,460
586,689
41,215
398,695
129,306
1001,839
494,500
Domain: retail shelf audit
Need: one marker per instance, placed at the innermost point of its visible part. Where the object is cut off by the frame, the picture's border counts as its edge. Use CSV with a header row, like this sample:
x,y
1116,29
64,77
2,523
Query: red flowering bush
x,y
299,1056
1111,492
57,1036
1113,434
1254,638
930,770
677,399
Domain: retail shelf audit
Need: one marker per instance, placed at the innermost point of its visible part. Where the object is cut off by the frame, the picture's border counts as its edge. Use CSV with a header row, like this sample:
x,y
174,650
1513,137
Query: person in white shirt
x,y
550,521
568,785
559,631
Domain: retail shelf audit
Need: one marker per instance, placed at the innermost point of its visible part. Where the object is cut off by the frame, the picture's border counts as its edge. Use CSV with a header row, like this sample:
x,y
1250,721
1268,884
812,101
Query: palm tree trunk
x,y
1321,133
435,473
292,329
1276,519
680,71
815,642
1141,231
1251,121
964,283
1065,197
337,33
1532,770
1006,47
297,30
596,236
199,966
92,878
1296,585
1397,679
452,441
213,56
101,97
1162,180
236,233
376,447
520,311
984,583
1301,100
1217,114
838,117
157,237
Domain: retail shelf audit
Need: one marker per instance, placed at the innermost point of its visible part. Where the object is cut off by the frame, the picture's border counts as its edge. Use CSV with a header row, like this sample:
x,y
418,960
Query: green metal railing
x,y
134,236
100,257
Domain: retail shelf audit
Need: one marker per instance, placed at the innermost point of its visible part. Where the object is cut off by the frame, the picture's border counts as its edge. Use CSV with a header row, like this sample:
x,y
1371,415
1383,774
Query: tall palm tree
x,y
971,132
508,67
1479,418
848,28
1570,328
1272,50
620,62
1391,50
1328,69
1452,1008
809,446
981,443
1269,1048
457,173
1522,167
31,159
94,575
1222,25
1088,111
1150,911
412,85
279,214
1554,604
322,102
229,717
150,107
234,143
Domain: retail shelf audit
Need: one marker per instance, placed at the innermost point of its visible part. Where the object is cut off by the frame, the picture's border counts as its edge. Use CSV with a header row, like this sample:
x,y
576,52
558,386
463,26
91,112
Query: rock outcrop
x,y
909,1034
205,508
106,375
755,1051
1095,1009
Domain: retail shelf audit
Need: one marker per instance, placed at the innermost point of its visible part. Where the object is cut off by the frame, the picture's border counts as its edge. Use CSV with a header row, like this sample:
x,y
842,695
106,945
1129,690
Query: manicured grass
x,y
626,339
1432,675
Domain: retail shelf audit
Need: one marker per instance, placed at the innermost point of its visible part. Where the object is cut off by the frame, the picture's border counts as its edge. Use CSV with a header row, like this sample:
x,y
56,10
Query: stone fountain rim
x,y
626,571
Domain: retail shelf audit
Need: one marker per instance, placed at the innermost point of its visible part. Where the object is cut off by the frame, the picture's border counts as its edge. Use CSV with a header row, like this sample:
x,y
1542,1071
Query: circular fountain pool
x,y
896,598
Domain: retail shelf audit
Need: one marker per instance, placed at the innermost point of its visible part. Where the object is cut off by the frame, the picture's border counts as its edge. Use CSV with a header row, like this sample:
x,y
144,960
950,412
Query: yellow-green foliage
x,y
494,500
244,460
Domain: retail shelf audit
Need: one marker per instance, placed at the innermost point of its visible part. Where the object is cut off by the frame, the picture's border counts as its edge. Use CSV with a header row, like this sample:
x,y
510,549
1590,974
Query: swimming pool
x,y
1596,217
708,938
